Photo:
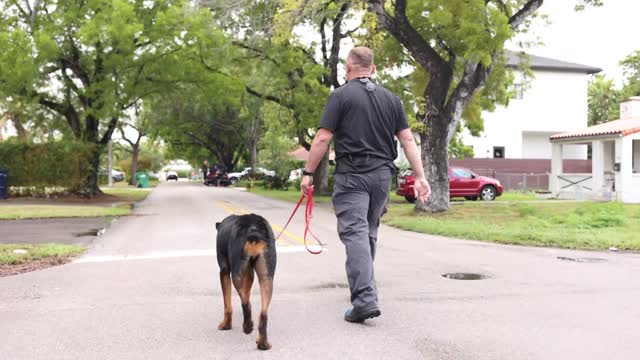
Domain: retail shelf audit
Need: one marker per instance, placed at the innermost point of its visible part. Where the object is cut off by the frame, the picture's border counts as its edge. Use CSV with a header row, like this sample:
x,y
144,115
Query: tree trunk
x,y
134,164
17,124
89,188
321,176
254,153
435,156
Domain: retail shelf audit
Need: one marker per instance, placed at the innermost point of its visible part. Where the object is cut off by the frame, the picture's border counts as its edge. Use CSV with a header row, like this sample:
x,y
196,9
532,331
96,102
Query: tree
x,y
631,67
604,100
457,44
203,120
90,61
278,68
140,125
328,18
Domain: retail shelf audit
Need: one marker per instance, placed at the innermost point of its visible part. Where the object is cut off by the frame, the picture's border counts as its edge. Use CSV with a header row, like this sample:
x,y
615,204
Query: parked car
x,y
172,175
295,174
116,175
462,183
234,177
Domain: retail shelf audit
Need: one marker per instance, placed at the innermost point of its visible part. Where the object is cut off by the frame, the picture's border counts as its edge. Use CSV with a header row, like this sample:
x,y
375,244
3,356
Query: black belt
x,y
351,157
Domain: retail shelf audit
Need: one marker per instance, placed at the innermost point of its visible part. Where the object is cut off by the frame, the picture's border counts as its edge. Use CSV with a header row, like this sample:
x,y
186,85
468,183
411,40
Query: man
x,y
363,118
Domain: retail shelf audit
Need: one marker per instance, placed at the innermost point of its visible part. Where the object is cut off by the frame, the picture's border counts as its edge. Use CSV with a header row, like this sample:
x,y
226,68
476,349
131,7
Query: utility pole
x,y
110,167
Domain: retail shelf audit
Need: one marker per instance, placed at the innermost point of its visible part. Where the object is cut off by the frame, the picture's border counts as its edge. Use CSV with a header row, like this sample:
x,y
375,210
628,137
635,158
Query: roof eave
x,y
586,138
586,70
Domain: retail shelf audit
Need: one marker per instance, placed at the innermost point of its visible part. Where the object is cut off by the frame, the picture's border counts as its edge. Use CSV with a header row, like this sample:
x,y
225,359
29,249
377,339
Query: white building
x,y
553,101
615,157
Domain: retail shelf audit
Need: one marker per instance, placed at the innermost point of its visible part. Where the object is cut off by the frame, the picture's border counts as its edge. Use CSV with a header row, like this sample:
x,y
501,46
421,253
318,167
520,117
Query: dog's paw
x,y
263,345
224,326
247,327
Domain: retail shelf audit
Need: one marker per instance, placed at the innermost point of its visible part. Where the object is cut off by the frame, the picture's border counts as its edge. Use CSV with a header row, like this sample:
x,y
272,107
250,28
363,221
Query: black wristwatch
x,y
307,173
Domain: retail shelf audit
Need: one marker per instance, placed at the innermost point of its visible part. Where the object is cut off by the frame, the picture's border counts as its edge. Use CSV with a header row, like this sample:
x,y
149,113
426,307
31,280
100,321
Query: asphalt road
x,y
149,289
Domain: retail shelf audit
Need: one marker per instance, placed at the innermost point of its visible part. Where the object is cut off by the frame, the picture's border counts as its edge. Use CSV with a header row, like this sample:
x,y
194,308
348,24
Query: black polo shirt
x,y
364,118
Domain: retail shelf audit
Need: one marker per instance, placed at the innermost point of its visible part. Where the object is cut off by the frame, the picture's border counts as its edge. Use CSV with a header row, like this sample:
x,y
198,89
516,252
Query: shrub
x,y
59,164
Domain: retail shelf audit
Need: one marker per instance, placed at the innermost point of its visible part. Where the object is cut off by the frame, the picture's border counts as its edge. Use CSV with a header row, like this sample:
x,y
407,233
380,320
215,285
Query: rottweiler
x,y
245,243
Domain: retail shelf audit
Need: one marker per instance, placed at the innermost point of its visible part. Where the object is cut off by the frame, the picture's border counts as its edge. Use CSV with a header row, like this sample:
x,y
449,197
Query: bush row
x,y
62,164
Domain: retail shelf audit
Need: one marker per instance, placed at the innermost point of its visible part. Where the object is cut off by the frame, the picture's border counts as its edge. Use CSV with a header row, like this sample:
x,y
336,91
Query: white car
x,y
295,174
235,176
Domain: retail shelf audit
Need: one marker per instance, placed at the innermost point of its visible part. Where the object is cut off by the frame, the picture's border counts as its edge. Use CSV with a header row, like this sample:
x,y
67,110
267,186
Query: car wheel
x,y
471,198
410,199
488,193
233,181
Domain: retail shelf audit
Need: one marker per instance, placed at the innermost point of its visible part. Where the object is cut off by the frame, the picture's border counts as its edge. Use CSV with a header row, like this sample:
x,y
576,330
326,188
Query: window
x,y
498,152
462,173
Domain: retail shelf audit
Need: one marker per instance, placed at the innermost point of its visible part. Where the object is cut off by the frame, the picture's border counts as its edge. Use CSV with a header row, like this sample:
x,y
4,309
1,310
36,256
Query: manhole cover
x,y
464,276
584,259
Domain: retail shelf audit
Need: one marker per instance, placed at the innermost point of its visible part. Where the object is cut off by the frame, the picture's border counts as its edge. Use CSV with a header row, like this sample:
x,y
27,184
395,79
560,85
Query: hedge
x,y
62,164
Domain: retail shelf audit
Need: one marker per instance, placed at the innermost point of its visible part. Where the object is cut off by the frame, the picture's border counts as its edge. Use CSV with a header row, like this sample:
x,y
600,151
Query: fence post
x,y
524,182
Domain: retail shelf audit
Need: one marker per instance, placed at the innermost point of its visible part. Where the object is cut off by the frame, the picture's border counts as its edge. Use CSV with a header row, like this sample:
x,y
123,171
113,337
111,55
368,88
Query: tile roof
x,y
617,127
513,59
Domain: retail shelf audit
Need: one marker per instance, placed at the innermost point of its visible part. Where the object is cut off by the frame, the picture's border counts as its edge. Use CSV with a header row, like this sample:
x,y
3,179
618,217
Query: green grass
x,y
517,196
16,212
125,185
36,252
127,194
557,224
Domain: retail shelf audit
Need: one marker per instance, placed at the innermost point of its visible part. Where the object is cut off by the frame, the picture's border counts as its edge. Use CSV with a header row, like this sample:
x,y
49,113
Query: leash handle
x,y
307,219
308,211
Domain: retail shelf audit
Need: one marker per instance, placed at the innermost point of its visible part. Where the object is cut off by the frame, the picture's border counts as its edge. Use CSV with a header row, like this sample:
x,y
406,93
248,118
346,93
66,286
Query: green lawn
x,y
517,196
127,194
36,252
15,212
553,223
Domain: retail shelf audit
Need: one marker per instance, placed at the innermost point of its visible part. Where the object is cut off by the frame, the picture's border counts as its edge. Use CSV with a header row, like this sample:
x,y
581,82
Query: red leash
x,y
307,219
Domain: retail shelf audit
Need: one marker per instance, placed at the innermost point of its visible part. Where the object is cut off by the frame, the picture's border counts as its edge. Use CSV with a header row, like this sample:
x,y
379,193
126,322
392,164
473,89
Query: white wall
x,y
555,102
536,145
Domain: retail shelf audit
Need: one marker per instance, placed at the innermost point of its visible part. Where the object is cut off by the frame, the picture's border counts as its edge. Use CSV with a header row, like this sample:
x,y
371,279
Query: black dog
x,y
245,244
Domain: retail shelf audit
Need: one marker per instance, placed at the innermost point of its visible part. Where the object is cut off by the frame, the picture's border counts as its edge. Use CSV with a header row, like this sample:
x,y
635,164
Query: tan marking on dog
x,y
254,249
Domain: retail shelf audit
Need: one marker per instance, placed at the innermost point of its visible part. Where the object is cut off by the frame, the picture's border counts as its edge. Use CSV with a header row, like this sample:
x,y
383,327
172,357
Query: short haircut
x,y
361,57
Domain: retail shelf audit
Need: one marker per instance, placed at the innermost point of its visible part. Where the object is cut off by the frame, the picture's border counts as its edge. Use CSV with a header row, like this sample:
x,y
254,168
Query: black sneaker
x,y
354,315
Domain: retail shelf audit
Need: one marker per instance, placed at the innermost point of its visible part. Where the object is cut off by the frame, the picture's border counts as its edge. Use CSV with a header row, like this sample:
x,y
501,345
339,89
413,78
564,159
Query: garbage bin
x,y
4,183
142,179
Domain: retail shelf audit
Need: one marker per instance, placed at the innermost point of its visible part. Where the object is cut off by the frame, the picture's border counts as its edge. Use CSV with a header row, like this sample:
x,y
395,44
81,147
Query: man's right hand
x,y
421,189
306,184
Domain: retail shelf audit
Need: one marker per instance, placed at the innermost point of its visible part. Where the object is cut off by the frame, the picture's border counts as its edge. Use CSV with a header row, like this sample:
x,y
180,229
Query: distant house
x,y
553,101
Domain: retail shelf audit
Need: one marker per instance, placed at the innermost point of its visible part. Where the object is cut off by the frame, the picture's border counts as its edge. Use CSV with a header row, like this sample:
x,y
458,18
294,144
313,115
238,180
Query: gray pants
x,y
359,201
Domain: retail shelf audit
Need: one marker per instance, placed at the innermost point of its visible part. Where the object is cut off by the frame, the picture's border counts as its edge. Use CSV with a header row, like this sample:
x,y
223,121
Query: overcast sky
x,y
598,37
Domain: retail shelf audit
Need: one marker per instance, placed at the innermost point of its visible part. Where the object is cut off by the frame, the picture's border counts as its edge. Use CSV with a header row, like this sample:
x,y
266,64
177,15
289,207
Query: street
x,y
149,289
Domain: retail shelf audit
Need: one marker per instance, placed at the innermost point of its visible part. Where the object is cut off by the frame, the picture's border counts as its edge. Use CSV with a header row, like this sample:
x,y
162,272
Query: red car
x,y
462,183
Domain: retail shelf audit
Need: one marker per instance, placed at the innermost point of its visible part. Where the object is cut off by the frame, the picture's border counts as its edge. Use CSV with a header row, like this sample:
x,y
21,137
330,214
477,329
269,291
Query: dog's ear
x,y
217,225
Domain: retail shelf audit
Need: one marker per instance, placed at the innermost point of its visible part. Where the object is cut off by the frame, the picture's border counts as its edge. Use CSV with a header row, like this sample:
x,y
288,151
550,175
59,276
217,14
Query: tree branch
x,y
409,37
323,42
335,44
65,110
350,32
106,137
258,51
527,10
